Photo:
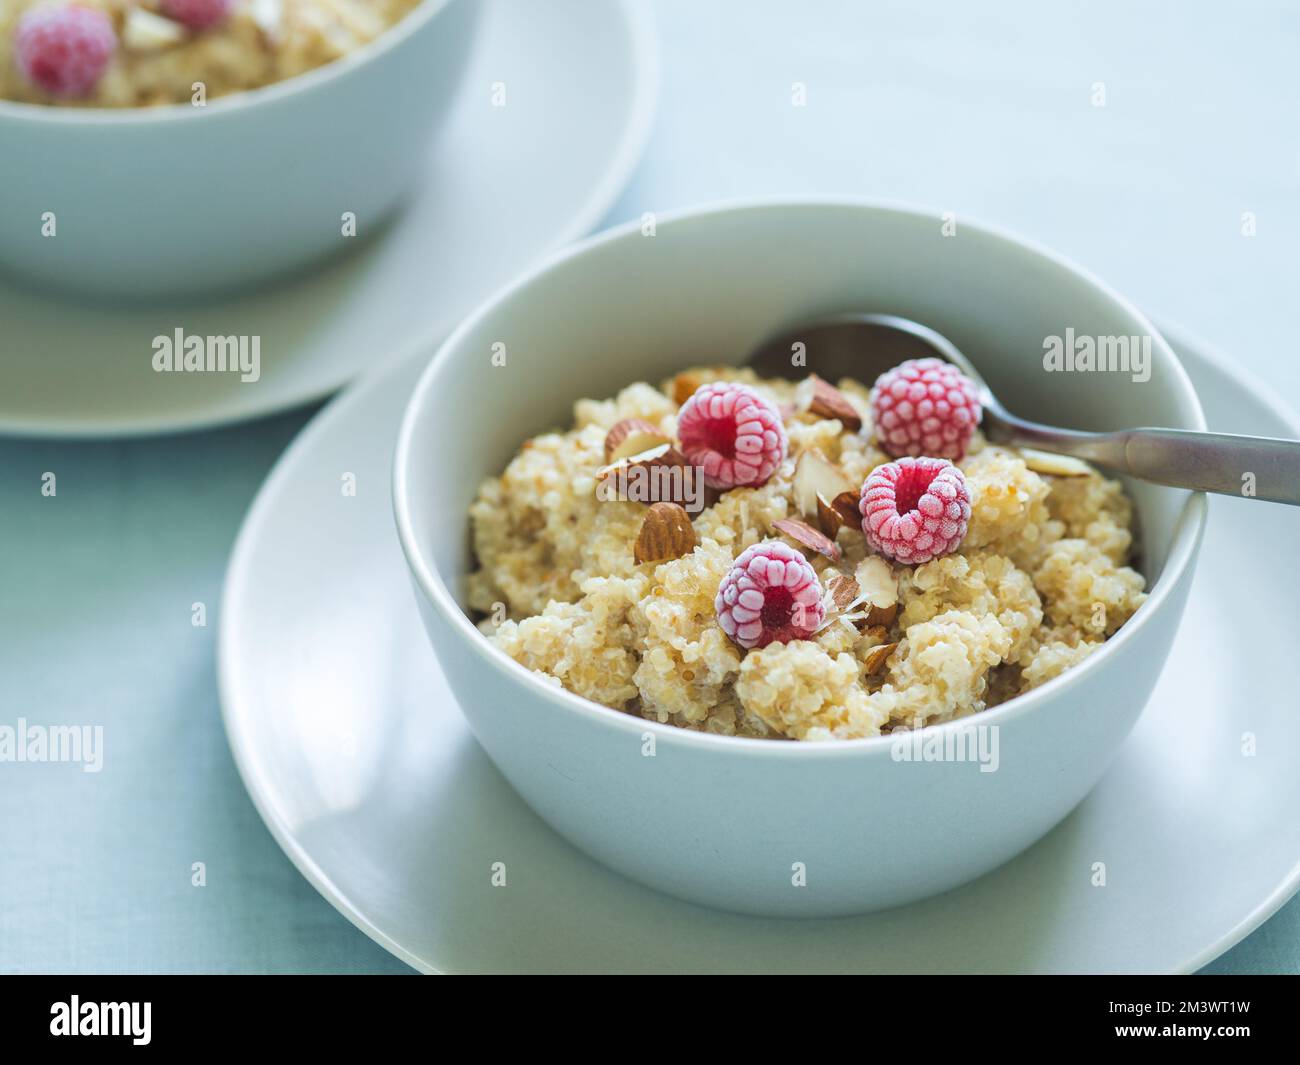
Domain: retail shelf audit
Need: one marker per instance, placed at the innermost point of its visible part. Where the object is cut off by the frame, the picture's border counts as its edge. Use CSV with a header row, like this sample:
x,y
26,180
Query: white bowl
x,y
725,821
183,200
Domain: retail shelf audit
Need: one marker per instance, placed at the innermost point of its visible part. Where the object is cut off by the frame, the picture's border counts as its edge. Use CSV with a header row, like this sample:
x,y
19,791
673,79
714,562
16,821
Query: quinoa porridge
x,y
815,586
138,53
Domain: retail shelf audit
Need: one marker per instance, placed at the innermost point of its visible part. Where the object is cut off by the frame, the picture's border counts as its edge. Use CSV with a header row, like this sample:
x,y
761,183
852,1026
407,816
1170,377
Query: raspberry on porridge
x,y
770,593
64,50
773,611
925,407
138,53
915,510
732,433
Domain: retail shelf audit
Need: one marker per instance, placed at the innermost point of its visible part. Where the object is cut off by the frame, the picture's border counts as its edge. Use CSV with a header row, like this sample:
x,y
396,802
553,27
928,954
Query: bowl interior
x,y
122,116
709,285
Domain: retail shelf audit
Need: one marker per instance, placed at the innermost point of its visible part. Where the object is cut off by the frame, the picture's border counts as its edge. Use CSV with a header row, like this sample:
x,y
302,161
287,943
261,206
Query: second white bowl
x,y
185,200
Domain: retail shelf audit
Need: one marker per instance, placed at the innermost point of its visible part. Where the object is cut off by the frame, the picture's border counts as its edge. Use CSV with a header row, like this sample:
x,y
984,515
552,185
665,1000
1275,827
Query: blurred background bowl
x,y
185,200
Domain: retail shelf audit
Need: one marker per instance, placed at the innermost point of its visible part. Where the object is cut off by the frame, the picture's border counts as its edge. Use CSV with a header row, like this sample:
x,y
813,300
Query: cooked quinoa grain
x,y
1040,580
157,61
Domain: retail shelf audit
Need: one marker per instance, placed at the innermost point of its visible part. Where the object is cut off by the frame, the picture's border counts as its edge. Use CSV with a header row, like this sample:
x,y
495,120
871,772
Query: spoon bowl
x,y
857,345
862,346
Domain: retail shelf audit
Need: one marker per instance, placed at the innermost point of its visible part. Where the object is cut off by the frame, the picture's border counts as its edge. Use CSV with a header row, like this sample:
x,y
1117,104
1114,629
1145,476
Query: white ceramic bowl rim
x,y
1187,536
236,101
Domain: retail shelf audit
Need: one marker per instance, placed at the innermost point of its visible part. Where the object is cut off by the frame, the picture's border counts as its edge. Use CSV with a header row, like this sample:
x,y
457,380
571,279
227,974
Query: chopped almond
x,y
666,533
632,436
803,533
815,475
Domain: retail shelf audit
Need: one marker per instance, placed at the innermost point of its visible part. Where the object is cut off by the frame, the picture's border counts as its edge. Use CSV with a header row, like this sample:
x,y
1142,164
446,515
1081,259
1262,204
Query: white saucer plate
x,y
505,185
359,762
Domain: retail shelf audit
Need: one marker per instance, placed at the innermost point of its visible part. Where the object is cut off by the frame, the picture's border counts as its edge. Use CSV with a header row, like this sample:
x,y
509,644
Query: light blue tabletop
x,y
994,116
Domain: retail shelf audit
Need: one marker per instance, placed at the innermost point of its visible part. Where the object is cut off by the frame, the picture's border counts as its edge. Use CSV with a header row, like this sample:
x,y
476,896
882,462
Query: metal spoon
x,y
863,346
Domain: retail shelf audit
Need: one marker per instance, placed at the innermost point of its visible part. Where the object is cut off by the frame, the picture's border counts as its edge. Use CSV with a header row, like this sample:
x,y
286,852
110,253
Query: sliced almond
x,y
685,386
632,436
826,401
267,14
878,590
146,32
828,518
842,590
840,596
846,506
877,656
816,475
1056,465
659,455
803,533
666,533
660,475
803,396
882,615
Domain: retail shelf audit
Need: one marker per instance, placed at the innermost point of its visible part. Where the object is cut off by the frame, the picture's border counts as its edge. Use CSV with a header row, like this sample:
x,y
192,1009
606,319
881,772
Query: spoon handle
x,y
1251,467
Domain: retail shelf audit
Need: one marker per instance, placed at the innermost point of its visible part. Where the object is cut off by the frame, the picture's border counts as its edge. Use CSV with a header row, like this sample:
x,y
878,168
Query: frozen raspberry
x,y
771,593
64,50
733,433
925,407
197,14
915,509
